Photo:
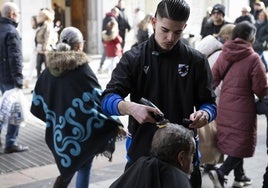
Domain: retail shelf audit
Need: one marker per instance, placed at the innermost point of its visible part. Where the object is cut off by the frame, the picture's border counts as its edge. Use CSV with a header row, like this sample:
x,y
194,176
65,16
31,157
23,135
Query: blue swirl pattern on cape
x,y
76,128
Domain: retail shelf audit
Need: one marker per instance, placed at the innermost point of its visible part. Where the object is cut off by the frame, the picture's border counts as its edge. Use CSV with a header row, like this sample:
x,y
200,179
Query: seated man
x,y
170,162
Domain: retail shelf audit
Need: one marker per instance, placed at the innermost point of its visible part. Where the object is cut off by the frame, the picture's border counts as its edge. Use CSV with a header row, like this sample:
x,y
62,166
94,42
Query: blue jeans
x,y
83,175
12,130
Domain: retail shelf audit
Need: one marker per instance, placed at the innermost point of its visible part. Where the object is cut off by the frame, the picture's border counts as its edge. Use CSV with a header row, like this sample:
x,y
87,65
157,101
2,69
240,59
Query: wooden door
x,y
79,16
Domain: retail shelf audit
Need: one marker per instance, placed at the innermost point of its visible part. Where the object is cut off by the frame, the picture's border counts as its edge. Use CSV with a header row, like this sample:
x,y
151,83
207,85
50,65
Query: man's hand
x,y
140,112
199,118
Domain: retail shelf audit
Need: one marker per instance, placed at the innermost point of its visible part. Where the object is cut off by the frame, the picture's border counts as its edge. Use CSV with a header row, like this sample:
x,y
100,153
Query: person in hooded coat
x,y
243,75
67,97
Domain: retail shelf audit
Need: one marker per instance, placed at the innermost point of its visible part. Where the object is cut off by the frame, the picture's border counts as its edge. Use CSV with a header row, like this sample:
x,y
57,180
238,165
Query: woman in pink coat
x,y
237,119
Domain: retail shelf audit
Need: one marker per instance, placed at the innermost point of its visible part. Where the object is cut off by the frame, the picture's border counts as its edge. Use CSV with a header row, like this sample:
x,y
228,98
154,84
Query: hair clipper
x,y
159,118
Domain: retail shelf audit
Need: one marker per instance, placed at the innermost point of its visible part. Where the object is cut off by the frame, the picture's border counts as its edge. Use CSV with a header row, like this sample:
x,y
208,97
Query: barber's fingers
x,y
143,114
199,118
204,115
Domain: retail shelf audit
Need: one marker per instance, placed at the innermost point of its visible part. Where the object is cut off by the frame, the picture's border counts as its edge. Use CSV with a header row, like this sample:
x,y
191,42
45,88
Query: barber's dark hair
x,y
169,141
244,30
177,10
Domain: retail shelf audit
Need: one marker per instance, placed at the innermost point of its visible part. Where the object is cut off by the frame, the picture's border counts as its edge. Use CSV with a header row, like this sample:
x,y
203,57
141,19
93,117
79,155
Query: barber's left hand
x,y
199,118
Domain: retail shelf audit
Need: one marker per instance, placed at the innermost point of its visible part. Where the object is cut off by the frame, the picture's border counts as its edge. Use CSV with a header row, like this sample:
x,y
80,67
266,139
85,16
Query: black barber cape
x,y
76,128
150,172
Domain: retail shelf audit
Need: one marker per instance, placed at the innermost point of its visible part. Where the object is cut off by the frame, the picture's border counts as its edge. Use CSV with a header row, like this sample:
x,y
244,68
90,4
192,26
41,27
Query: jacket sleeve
x,y
121,82
264,36
48,38
204,82
15,58
259,79
216,73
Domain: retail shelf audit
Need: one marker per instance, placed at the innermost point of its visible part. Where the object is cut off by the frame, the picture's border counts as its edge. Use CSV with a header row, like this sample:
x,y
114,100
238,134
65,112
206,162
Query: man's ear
x,y
181,156
11,13
153,21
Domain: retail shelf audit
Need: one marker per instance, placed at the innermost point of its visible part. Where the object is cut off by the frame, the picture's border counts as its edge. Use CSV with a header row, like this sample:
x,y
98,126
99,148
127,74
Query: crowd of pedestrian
x,y
215,81
238,67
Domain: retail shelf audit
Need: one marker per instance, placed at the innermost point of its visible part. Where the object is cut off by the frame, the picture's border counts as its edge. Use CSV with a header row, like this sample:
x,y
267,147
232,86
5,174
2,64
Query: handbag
x,y
208,147
262,106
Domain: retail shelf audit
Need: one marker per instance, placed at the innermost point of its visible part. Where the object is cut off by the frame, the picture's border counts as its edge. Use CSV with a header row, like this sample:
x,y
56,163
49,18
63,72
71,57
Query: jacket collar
x,y
8,21
156,49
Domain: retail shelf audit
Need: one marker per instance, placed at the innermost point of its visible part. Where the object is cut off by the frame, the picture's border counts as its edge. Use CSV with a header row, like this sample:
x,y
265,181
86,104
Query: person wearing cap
x,y
213,27
67,97
245,15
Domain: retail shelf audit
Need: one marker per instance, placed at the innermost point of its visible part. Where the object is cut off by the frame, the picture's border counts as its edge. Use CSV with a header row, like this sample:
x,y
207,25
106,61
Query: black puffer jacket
x,y
10,53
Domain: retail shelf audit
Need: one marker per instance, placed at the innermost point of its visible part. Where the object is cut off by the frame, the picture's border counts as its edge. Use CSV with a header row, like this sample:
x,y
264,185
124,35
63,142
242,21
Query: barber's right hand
x,y
142,113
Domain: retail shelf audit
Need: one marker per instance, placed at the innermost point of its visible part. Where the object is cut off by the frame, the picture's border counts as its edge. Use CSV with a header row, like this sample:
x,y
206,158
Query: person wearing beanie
x,y
220,8
214,25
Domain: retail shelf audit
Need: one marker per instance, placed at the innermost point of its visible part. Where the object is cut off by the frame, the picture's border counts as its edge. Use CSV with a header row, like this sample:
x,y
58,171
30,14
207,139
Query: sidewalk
x,y
103,172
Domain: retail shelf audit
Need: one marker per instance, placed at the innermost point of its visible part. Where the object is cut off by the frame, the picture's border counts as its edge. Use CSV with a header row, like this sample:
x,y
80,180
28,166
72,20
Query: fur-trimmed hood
x,y
63,61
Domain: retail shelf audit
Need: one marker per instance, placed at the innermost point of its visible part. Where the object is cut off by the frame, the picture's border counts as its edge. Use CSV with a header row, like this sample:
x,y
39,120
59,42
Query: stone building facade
x,y
87,15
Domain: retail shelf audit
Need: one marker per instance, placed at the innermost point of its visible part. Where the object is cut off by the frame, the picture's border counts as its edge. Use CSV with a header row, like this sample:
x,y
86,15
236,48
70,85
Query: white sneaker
x,y
242,182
